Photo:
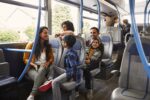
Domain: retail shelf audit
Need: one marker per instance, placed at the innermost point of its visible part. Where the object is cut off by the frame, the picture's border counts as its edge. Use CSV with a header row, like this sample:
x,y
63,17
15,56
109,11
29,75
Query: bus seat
x,y
127,37
2,58
107,62
5,79
116,35
133,81
108,48
57,49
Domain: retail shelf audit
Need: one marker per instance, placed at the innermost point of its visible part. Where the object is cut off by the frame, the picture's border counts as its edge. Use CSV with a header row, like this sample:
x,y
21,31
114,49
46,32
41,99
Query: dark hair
x,y
39,49
125,21
95,29
101,46
69,25
115,18
70,40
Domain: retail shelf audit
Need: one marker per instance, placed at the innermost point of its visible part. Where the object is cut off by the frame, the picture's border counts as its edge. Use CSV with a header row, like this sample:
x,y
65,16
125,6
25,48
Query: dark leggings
x,y
88,77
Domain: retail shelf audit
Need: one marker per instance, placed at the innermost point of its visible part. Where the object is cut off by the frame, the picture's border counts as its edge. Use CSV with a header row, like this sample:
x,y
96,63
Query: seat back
x,y
108,45
4,66
116,35
57,49
79,47
2,59
133,75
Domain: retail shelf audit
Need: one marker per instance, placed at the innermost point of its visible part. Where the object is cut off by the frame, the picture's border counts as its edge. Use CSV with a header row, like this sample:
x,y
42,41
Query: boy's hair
x,y
70,40
95,29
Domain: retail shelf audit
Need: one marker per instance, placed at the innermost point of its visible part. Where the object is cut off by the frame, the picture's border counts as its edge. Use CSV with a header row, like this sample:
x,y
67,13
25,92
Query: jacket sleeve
x,y
26,55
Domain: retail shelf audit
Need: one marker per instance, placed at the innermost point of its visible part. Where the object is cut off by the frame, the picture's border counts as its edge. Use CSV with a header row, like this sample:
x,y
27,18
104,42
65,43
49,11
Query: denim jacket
x,y
71,62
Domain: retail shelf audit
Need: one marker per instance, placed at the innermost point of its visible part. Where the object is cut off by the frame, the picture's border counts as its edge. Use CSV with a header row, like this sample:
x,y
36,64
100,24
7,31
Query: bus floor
x,y
102,90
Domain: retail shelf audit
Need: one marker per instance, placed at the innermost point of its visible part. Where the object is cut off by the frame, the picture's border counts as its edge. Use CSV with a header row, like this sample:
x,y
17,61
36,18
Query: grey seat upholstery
x,y
115,32
57,49
5,79
108,48
133,82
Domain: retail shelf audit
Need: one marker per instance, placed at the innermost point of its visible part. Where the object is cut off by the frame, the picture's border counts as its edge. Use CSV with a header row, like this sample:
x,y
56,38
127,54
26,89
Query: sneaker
x,y
46,86
30,97
90,95
77,94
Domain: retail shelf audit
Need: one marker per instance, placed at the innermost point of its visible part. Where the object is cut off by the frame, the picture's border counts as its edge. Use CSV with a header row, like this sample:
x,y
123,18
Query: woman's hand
x,y
34,65
87,61
46,64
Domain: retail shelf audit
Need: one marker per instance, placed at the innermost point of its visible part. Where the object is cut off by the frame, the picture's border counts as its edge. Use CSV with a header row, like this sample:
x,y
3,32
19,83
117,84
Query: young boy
x,y
71,61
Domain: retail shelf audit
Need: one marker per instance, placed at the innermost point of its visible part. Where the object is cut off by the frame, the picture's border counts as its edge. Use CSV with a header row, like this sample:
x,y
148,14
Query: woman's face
x,y
95,44
64,27
44,34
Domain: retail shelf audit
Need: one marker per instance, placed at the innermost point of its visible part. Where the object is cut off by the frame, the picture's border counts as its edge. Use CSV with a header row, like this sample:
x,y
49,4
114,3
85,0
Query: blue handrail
x,y
99,14
35,43
81,17
18,50
137,38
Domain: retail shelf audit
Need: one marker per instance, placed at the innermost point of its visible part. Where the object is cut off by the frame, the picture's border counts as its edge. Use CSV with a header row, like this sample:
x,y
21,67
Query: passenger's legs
x,y
32,73
87,76
39,80
56,86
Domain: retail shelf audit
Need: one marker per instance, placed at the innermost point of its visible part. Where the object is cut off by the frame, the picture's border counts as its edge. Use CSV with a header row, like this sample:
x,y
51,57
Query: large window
x,y
17,23
62,12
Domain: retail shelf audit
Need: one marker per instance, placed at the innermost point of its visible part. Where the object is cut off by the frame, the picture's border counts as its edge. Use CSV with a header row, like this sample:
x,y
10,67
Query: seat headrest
x,y
55,42
105,39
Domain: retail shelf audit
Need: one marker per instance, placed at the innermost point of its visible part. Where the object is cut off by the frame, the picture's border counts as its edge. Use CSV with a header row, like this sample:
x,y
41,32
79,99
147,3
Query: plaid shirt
x,y
71,62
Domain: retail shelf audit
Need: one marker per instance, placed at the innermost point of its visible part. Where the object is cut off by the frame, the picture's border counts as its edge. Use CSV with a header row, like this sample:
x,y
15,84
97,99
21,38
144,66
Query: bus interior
x,y
120,76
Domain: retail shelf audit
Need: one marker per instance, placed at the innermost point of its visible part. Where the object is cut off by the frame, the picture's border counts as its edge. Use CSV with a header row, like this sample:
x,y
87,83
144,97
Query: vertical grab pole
x,y
137,39
81,17
145,16
35,43
99,14
148,18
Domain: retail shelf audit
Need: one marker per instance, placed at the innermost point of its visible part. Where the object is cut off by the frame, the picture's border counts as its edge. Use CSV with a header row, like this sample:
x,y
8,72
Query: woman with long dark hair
x,y
40,69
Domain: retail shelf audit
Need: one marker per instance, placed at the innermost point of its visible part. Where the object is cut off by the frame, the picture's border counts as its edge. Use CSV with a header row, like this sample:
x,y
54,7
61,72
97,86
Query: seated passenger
x,y
68,29
71,61
94,35
92,61
40,69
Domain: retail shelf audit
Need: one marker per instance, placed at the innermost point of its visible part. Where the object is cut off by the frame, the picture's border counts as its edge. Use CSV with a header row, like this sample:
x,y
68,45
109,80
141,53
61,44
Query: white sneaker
x,y
30,97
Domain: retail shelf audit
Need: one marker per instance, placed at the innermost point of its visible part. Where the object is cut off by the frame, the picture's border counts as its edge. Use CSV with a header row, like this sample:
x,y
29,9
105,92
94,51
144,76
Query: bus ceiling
x,y
106,6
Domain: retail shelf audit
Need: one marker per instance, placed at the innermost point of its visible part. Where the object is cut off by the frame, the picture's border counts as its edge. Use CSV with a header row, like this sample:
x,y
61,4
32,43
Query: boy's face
x,y
64,44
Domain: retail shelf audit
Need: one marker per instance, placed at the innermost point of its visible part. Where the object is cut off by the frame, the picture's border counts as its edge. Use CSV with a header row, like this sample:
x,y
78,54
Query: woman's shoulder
x,y
29,44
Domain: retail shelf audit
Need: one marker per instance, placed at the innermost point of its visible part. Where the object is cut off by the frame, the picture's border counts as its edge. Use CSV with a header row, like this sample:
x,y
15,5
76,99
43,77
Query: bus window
x,y
17,23
62,12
